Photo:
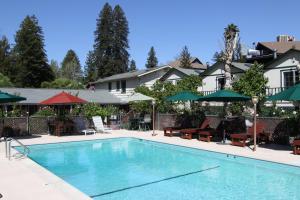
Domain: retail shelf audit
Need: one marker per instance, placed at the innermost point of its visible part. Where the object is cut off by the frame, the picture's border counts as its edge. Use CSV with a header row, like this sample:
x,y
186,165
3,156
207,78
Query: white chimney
x,y
285,38
275,53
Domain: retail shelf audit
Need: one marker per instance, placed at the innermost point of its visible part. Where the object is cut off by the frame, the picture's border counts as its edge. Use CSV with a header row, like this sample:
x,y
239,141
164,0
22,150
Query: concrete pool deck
x,y
25,179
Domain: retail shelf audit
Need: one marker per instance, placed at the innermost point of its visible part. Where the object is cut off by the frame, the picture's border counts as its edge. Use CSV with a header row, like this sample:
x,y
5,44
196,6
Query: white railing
x,y
8,147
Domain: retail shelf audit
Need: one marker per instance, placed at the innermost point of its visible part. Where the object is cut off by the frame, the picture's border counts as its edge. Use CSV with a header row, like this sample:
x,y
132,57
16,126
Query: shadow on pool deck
x,y
276,147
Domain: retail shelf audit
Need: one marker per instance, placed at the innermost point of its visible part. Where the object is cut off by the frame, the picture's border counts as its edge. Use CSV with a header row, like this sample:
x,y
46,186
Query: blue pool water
x,y
134,169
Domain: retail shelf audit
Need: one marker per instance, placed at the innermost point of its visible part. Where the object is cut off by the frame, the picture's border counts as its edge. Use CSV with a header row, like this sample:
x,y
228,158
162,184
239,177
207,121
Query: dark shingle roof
x,y
128,75
281,47
36,95
241,66
189,71
195,63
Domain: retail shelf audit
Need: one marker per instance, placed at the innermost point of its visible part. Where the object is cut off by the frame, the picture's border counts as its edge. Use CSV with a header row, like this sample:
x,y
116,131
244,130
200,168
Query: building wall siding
x,y
147,80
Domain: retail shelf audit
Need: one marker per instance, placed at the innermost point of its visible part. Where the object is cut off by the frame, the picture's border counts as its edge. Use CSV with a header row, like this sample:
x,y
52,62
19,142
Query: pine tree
x,y
31,58
151,60
103,43
238,54
70,67
55,68
132,66
185,58
90,70
5,57
120,41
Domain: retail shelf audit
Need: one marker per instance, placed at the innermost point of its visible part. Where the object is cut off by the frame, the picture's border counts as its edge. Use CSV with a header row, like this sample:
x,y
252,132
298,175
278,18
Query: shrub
x,y
92,109
45,112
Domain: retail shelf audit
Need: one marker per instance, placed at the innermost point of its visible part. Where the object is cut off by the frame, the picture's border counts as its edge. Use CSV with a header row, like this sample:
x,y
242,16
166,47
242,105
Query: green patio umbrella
x,y
184,96
224,96
6,98
291,94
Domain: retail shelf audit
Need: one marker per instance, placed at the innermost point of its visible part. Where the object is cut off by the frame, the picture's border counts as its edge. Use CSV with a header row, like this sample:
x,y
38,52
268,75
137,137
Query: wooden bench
x,y
239,139
204,136
296,145
188,133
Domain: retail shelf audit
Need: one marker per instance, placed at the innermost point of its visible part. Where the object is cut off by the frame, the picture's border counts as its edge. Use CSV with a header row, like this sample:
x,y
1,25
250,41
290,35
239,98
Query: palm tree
x,y
231,35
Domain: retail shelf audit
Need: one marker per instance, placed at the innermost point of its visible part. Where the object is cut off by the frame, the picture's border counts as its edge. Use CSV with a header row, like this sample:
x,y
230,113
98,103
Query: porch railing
x,y
269,91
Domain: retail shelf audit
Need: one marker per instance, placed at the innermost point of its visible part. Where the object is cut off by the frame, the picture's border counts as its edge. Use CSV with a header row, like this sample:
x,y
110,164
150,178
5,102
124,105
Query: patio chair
x,y
296,147
99,126
144,124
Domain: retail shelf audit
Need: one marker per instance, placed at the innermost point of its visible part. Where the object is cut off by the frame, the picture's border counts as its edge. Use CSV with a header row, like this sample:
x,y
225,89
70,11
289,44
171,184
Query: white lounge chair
x,y
87,131
99,126
80,126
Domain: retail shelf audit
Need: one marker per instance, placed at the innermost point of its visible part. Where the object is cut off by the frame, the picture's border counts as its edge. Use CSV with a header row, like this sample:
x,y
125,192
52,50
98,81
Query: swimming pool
x,y
128,168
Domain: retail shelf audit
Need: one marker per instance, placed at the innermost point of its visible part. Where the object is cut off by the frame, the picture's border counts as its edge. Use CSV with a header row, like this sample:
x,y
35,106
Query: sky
x,y
167,25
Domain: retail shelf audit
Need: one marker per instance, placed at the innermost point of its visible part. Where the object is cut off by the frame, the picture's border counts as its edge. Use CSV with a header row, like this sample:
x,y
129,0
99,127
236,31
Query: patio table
x,y
134,123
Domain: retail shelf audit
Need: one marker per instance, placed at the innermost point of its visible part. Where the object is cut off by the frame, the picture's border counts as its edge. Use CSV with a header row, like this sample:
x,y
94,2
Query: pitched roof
x,y
281,47
36,95
282,56
195,63
63,98
185,71
238,65
128,75
189,71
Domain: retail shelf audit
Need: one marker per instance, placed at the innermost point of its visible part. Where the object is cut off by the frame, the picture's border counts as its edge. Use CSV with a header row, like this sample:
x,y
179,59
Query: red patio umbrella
x,y
63,98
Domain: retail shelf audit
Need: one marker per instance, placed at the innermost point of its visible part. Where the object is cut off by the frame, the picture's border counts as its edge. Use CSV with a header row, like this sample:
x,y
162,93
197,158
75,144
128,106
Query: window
x,y
123,86
109,86
290,78
220,82
118,85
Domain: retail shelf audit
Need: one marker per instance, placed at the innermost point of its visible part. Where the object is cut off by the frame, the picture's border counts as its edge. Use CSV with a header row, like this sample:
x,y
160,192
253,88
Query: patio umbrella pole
x,y
153,113
255,101
254,132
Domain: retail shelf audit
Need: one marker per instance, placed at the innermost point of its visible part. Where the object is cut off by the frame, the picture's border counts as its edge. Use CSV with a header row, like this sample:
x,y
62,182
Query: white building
x,y
282,72
177,73
123,85
213,78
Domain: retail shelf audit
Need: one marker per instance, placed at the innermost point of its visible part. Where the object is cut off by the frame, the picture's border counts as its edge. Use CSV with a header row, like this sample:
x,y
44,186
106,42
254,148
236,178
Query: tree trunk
x,y
230,46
